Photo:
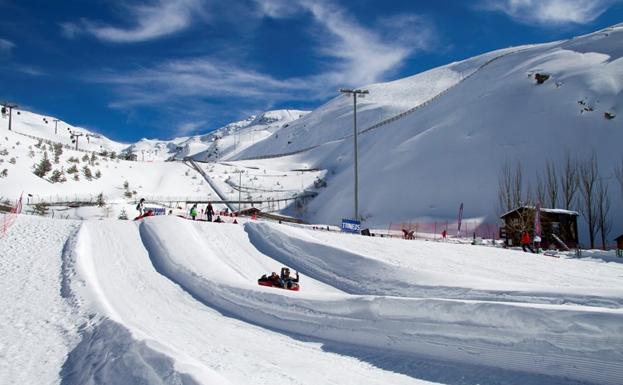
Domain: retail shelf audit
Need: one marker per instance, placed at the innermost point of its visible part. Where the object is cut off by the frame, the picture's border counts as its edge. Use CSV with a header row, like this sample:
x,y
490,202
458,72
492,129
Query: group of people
x,y
209,212
284,280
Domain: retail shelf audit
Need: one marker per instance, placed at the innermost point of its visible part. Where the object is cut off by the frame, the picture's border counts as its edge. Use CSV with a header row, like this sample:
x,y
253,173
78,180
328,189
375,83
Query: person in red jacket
x,y
525,242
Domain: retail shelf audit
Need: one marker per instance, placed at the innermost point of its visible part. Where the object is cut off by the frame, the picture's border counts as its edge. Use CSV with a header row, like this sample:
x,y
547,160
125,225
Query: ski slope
x,y
188,291
472,118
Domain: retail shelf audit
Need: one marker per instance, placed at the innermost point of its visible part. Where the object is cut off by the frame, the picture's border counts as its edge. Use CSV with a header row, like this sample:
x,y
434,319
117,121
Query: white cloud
x,y
6,46
151,21
553,12
359,55
349,54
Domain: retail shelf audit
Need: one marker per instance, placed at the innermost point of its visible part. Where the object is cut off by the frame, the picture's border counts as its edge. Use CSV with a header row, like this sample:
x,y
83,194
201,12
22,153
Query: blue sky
x,y
164,68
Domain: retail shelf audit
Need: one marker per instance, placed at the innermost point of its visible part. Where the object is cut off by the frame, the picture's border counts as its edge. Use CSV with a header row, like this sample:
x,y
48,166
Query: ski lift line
x,y
396,117
210,182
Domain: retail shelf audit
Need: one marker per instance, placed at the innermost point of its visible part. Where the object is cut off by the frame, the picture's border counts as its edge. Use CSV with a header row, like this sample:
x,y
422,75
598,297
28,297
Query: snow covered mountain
x,y
460,124
431,141
218,144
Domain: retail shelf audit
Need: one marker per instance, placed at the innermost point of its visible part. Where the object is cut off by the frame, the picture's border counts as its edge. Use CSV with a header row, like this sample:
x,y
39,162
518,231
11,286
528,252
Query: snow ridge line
x,y
395,117
547,340
301,254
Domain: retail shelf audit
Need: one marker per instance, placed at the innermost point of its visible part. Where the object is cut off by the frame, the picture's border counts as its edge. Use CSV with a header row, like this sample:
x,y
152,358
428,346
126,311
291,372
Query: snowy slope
x,y
165,180
424,164
186,292
44,127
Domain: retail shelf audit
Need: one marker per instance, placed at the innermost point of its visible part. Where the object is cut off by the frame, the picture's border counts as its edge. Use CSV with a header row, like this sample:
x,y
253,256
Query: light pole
x,y
355,93
55,126
10,106
239,190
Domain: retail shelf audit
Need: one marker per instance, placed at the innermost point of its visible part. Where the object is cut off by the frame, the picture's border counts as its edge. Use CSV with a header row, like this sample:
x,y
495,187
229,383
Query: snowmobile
x,y
282,282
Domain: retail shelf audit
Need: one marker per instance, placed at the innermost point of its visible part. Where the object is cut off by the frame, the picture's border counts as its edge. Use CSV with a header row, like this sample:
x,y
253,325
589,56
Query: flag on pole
x,y
537,220
458,234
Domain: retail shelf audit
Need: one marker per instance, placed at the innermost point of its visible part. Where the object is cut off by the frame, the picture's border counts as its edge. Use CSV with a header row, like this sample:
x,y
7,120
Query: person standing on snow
x,y
209,211
141,207
537,243
193,211
525,242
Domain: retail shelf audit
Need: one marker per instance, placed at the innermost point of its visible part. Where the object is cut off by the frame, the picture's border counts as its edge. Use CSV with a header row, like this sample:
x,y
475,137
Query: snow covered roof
x,y
543,210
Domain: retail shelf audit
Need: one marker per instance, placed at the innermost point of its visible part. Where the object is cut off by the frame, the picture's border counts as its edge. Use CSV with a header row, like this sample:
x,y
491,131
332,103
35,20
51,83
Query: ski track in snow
x,y
37,325
218,266
124,285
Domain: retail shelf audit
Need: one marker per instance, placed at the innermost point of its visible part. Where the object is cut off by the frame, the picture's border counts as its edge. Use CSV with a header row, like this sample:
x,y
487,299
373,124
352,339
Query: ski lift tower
x,y
355,93
10,107
76,135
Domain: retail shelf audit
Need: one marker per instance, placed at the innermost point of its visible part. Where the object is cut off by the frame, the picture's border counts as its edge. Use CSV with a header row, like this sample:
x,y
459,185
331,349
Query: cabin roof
x,y
543,210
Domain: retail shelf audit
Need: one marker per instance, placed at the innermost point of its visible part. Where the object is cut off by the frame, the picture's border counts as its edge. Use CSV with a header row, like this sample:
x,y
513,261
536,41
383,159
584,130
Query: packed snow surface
x,y
180,299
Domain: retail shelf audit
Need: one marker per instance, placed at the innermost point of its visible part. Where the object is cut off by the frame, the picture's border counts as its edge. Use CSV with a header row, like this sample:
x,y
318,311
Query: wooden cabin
x,y
619,240
556,224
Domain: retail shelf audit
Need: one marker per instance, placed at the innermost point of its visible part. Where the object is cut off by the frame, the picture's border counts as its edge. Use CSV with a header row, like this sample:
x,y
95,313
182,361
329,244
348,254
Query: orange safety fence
x,y
9,218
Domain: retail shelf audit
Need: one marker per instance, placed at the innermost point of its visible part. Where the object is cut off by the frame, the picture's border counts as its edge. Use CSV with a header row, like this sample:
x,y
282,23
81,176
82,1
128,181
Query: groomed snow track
x,y
168,279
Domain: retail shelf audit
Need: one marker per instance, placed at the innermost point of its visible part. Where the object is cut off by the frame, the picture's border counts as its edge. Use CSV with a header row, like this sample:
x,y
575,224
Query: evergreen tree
x,y
123,215
87,172
101,202
57,176
44,166
58,150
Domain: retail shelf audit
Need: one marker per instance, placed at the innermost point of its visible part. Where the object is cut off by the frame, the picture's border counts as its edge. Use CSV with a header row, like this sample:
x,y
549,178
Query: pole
x,y
55,126
10,116
356,157
356,153
239,191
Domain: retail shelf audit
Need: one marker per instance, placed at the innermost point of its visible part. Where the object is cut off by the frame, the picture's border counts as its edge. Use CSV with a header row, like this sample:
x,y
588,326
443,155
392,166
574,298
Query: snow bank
x,y
570,341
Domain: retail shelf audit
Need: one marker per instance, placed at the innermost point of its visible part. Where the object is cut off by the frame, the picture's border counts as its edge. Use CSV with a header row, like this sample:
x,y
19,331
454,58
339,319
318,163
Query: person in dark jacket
x,y
141,207
209,211
287,281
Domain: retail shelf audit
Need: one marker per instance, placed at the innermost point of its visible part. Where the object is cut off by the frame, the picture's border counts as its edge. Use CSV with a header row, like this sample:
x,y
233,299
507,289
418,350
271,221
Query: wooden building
x,y
619,240
556,225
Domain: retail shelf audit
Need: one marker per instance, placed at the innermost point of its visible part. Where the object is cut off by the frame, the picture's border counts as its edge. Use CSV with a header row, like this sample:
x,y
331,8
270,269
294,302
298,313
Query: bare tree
x,y
589,175
604,223
618,172
569,181
517,186
551,181
541,189
505,183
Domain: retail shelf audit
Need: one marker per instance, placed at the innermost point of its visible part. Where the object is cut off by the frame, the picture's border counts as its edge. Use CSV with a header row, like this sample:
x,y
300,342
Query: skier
x,y
209,211
193,211
525,242
141,207
444,234
218,219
